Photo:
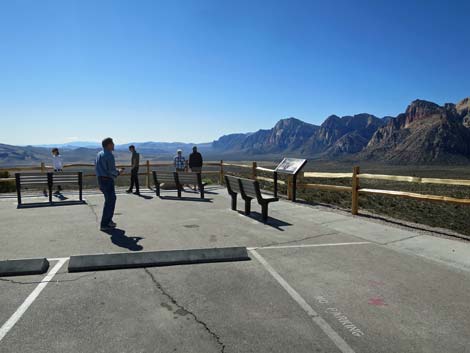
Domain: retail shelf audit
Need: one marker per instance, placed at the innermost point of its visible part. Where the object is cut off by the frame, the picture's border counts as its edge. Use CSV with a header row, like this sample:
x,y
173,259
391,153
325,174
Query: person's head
x,y
108,144
55,151
179,152
194,149
132,148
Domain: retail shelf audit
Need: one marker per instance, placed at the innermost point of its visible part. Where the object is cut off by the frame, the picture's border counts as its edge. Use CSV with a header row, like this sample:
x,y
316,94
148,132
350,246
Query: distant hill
x,y
16,155
425,133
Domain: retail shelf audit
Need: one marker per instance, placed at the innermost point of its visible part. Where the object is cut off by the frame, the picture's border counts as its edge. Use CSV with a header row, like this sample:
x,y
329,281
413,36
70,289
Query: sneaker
x,y
137,193
129,191
112,224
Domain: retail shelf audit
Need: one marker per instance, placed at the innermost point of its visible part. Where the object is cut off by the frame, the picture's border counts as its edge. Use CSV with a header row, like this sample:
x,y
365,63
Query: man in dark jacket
x,y
195,162
135,160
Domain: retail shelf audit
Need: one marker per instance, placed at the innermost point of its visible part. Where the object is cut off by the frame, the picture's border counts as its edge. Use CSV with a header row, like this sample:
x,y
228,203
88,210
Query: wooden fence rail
x,y
146,166
355,189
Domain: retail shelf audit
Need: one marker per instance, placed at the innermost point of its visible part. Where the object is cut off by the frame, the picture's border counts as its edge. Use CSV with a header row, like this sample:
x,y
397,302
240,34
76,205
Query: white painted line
x,y
317,319
7,326
309,245
57,258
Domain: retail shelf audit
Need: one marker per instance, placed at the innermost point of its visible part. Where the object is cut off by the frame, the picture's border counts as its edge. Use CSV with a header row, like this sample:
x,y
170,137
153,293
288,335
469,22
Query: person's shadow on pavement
x,y
119,238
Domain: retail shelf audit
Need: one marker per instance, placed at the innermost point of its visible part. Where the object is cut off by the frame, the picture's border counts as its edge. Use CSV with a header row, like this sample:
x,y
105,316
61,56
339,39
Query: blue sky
x,y
194,70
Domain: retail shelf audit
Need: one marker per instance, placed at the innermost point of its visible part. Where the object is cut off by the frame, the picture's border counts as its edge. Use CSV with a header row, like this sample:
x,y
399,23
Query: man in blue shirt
x,y
106,172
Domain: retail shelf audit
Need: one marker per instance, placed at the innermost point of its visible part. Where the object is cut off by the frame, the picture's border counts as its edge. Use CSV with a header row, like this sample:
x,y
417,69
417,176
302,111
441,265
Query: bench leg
x,y
157,189
247,206
18,187
49,185
264,212
234,202
179,190
201,190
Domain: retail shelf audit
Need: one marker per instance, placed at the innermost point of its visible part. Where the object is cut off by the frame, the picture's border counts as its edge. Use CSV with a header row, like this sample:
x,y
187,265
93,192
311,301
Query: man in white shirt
x,y
57,164
56,160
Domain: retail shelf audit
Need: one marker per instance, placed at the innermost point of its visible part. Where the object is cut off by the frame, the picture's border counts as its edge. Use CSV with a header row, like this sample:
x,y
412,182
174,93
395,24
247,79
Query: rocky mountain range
x,y
425,133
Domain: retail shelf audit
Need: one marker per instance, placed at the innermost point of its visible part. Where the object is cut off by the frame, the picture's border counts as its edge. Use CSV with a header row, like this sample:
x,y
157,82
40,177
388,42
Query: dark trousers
x,y
107,188
134,179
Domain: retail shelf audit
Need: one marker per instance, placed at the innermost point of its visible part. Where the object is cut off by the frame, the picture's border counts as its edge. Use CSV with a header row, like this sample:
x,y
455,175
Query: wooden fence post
x,y
43,167
253,170
355,191
275,184
221,175
289,187
148,174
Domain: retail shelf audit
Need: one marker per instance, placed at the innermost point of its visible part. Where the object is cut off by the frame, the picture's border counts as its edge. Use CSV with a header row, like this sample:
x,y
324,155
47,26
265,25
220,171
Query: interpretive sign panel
x,y
290,166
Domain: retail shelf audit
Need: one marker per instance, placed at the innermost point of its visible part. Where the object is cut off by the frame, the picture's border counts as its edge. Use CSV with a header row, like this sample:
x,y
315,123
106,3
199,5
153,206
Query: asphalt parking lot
x,y
317,281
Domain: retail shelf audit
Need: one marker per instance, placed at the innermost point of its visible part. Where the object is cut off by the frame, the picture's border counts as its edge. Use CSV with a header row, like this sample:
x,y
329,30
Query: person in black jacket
x,y
135,161
195,162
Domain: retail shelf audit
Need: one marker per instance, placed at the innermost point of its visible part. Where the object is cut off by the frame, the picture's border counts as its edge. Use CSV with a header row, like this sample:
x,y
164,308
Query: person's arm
x,y
201,159
137,160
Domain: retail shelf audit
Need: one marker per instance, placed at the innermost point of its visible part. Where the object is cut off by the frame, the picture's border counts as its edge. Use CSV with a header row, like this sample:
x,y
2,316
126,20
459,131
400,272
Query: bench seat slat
x,y
248,187
32,180
234,183
162,179
188,179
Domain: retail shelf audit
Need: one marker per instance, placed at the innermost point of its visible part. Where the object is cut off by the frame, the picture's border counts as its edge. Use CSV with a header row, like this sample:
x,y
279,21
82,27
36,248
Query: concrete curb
x,y
22,267
100,262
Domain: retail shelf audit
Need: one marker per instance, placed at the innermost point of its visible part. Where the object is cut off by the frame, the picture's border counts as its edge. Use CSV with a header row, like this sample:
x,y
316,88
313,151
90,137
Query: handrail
x,y
6,179
270,180
236,165
412,179
327,175
326,187
265,169
412,195
91,165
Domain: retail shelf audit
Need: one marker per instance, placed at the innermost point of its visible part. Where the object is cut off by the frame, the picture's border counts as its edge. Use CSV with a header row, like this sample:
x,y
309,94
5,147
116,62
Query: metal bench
x,y
48,180
167,178
249,190
182,178
178,179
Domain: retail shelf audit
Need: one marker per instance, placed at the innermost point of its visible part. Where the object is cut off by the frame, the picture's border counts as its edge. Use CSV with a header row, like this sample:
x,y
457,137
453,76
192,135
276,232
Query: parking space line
x,y
317,319
57,258
8,325
309,245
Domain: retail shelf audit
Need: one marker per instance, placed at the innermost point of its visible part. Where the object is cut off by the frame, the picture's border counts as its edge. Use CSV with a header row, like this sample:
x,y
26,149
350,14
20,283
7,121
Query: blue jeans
x,y
107,188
